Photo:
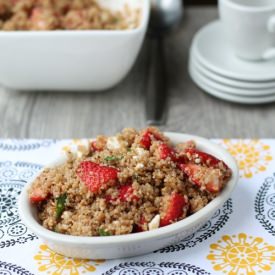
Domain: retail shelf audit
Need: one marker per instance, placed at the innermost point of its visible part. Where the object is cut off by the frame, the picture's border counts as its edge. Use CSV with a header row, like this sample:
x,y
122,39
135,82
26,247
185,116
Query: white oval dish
x,y
139,243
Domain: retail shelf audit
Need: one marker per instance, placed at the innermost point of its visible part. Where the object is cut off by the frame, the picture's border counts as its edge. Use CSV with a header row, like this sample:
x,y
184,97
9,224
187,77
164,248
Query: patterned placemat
x,y
239,238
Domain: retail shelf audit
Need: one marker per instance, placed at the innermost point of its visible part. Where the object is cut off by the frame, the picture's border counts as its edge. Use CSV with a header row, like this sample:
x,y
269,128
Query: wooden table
x,y
65,115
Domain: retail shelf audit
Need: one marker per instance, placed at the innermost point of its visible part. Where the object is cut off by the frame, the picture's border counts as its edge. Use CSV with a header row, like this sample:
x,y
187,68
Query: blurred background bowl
x,y
89,60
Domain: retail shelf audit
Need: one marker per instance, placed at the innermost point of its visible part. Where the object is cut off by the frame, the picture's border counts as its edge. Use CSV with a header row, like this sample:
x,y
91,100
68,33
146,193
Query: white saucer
x,y
226,96
229,81
212,50
222,87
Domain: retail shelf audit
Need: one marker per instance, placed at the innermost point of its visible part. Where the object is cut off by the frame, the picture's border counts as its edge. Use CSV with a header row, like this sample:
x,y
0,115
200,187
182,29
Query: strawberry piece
x,y
95,176
146,139
174,210
165,151
205,178
38,19
139,227
204,158
98,144
126,193
43,19
182,159
192,171
95,147
109,198
212,187
37,195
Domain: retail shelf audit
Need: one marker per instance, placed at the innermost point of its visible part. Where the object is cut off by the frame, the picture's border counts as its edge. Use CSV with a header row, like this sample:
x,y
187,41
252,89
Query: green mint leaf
x,y
112,158
60,205
102,232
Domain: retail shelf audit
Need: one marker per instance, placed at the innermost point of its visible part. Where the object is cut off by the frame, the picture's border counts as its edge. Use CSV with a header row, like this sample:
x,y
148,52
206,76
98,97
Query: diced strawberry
x,y
146,139
165,151
109,198
203,177
126,193
37,195
37,19
175,209
95,176
213,187
204,158
182,159
14,2
139,227
192,170
43,19
99,144
95,147
155,134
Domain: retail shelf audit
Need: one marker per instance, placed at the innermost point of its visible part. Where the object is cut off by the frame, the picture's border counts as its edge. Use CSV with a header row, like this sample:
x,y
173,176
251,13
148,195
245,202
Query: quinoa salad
x,y
132,182
64,15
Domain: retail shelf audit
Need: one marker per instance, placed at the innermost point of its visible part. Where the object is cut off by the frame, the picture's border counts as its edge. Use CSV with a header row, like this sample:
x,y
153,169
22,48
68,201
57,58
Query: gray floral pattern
x,y
13,177
265,205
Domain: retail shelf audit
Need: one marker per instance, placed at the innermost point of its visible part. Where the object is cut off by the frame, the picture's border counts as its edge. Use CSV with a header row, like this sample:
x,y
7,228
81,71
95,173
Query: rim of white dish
x,y
251,9
64,33
225,96
259,87
219,70
225,88
26,214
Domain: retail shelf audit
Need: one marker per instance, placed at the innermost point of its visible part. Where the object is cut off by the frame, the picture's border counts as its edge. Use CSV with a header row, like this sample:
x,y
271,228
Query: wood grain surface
x,y
66,115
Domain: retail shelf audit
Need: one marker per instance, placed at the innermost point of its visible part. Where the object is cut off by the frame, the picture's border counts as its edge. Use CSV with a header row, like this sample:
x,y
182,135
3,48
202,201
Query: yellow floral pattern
x,y
253,156
242,254
55,264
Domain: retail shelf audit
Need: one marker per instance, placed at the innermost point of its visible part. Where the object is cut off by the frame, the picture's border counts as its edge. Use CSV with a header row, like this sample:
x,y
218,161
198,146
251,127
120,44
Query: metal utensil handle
x,y
156,95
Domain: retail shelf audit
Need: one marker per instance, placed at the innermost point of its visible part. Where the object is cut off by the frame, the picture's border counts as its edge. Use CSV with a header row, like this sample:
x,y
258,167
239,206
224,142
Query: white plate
x,y
213,52
229,81
229,89
225,96
133,244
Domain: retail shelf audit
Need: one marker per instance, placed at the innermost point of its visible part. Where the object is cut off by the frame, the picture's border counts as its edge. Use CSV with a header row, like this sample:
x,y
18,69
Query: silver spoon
x,y
165,16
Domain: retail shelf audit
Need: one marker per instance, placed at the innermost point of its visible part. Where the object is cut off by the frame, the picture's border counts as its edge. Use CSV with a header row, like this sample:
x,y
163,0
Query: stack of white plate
x,y
214,67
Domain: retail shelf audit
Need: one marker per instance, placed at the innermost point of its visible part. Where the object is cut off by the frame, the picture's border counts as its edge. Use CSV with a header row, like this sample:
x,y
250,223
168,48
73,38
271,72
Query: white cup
x,y
249,25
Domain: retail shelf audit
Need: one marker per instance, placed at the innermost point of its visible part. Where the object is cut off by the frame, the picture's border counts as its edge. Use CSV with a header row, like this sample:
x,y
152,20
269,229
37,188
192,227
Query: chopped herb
x,y
129,149
102,232
112,158
60,205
